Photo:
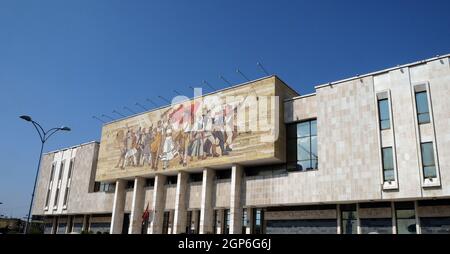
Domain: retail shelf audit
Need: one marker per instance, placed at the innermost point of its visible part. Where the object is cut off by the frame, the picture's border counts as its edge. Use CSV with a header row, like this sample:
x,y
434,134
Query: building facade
x,y
369,154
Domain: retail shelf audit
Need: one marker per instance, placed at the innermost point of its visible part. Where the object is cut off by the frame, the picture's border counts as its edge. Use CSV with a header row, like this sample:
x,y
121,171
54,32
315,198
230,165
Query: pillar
x,y
118,208
235,200
179,221
158,203
137,206
394,218
206,207
416,208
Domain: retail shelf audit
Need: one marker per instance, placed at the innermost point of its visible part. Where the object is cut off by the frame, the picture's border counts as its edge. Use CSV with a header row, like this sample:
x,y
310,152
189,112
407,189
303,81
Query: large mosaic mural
x,y
226,127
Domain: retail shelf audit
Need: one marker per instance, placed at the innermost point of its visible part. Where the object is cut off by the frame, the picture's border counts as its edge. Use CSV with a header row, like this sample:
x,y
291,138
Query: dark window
x,y
60,174
97,186
197,177
223,174
348,219
423,112
171,180
405,218
244,221
189,222
383,108
47,199
388,165
428,165
302,146
226,220
258,218
269,170
149,182
130,185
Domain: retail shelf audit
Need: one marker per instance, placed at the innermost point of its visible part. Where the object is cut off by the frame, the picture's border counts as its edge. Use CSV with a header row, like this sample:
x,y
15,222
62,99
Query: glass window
x,y
405,218
348,219
388,165
258,219
423,113
428,164
302,147
383,107
227,221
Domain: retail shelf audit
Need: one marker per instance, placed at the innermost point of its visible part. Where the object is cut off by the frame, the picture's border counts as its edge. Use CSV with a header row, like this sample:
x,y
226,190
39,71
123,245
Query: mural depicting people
x,y
188,131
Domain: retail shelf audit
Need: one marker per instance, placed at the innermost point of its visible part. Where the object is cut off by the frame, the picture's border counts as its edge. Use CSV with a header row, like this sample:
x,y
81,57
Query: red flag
x,y
146,214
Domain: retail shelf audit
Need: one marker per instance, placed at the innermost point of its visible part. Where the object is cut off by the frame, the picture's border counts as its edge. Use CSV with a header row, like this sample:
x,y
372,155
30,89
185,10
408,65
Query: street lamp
x,y
44,136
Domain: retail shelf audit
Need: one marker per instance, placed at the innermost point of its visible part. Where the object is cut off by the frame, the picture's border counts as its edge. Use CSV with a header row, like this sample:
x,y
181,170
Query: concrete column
x,y
137,206
235,200
206,208
158,203
250,219
179,221
118,208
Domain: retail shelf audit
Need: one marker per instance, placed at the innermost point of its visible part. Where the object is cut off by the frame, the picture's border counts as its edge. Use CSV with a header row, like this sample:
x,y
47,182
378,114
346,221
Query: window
x,y
428,164
197,177
257,220
69,180
171,180
244,221
130,185
405,218
61,172
226,221
149,182
47,199
423,113
223,174
348,219
104,187
302,146
388,165
383,110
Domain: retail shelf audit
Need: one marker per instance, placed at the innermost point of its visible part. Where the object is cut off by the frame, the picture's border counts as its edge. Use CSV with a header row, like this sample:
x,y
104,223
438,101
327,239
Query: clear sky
x,y
64,61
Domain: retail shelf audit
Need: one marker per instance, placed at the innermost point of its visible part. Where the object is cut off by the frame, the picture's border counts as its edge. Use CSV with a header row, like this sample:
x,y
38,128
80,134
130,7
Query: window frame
x,y
380,119
313,158
426,182
384,166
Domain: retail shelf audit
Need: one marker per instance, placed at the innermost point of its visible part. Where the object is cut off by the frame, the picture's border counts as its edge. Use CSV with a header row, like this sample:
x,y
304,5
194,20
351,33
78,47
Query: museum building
x,y
368,154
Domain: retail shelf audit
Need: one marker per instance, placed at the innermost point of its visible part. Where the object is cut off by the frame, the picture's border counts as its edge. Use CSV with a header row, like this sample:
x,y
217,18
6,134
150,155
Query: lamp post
x,y
44,136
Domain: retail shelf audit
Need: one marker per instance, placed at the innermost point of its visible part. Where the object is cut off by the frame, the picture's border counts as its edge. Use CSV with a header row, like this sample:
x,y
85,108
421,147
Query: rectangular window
x,y
405,218
258,218
69,180
423,112
302,146
60,174
244,221
226,221
383,110
388,165
47,199
428,164
348,219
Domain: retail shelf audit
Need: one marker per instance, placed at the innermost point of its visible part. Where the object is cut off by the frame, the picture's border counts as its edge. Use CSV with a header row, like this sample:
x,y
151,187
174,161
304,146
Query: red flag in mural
x,y
146,214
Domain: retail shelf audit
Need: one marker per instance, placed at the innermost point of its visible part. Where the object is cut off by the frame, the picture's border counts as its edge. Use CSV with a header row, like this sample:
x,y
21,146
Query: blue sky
x,y
63,61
